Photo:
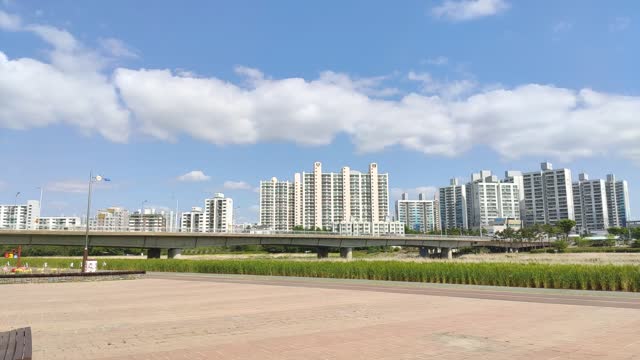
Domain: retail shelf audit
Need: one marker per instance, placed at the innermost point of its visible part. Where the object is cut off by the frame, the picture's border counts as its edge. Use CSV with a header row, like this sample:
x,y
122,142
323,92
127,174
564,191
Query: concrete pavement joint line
x,y
428,292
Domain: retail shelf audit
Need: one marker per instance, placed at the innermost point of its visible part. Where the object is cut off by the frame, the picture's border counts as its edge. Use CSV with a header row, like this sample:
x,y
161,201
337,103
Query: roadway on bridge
x,y
544,296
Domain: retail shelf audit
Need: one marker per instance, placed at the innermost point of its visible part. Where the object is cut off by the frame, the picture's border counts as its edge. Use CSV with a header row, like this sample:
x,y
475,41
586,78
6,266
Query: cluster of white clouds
x,y
462,10
194,176
75,87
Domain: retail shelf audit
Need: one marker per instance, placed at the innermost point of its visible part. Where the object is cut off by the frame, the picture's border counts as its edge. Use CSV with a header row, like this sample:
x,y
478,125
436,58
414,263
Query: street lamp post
x,y
85,254
15,211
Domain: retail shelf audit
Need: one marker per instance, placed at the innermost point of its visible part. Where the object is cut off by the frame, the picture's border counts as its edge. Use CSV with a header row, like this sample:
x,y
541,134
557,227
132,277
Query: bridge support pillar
x,y
346,253
153,253
174,253
323,253
446,253
424,251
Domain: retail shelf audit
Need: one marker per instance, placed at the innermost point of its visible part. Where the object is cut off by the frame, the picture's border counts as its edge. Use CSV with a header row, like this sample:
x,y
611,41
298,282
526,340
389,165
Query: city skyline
x,y
252,100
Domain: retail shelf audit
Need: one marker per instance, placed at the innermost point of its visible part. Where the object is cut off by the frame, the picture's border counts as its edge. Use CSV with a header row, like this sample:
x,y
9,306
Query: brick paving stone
x,y
180,319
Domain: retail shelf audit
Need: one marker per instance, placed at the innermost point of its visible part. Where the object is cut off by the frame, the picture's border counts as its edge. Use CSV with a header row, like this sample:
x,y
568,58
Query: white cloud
x,y
620,23
9,22
194,176
462,10
117,48
236,185
445,89
446,118
371,86
70,89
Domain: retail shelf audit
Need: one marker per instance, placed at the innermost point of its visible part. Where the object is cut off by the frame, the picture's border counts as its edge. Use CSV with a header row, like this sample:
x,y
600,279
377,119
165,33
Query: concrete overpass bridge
x,y
175,242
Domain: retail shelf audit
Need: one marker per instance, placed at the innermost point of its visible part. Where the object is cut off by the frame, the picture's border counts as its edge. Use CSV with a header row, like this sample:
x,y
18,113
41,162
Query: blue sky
x,y
242,91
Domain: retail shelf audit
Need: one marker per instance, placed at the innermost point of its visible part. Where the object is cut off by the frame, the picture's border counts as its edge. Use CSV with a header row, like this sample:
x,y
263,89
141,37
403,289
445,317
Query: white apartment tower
x,y
348,196
20,217
618,201
218,214
192,221
516,177
278,207
453,206
548,195
322,200
590,204
420,215
489,199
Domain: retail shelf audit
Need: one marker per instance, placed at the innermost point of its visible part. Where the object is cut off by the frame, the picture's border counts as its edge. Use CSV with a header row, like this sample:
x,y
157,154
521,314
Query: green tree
x,y
560,245
566,225
408,230
508,234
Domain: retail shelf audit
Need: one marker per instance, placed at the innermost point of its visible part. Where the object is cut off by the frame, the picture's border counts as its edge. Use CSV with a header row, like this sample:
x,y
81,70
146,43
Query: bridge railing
x,y
245,231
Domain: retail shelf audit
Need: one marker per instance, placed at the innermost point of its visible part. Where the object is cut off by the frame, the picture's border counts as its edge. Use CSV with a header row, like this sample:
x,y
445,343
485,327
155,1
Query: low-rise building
x,y
149,220
501,224
111,219
375,228
59,223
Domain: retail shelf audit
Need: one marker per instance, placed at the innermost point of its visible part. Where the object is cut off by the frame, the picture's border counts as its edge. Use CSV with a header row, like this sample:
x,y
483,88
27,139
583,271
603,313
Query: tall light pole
x,y
41,188
85,254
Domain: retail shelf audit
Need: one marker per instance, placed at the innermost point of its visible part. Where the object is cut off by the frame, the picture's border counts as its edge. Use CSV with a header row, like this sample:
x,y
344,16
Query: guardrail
x,y
249,233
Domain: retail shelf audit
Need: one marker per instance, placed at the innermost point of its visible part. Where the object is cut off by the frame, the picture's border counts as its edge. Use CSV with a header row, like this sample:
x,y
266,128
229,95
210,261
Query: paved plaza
x,y
225,317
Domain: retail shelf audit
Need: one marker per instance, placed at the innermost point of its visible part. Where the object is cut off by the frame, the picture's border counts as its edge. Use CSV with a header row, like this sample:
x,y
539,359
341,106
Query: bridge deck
x,y
169,240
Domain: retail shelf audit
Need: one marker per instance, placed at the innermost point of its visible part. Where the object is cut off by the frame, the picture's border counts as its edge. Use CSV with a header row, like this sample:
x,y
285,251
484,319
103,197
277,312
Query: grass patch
x,y
555,276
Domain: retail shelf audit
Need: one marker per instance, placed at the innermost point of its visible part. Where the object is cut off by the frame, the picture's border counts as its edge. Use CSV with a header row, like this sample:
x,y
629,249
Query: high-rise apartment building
x,y
20,217
618,201
218,214
192,221
516,177
489,199
330,198
421,215
278,207
111,219
322,200
590,204
453,206
548,195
